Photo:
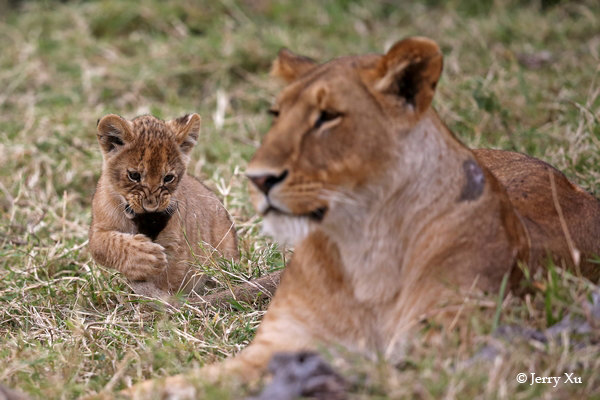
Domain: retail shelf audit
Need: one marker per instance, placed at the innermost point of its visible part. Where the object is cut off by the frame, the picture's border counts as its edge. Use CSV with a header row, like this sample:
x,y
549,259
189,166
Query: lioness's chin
x,y
287,229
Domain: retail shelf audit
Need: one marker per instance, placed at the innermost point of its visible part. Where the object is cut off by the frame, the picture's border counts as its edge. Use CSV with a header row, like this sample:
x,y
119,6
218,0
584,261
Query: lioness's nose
x,y
265,182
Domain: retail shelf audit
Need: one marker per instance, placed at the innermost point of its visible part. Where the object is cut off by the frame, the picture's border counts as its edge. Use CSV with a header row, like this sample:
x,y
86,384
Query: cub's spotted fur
x,y
150,219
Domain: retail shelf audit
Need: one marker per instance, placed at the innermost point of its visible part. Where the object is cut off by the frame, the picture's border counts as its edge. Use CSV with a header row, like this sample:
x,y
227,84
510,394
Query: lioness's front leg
x,y
283,328
135,256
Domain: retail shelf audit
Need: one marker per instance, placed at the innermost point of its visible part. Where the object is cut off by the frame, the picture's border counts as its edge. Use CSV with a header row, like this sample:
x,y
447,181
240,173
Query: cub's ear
x,y
113,132
411,69
186,129
289,66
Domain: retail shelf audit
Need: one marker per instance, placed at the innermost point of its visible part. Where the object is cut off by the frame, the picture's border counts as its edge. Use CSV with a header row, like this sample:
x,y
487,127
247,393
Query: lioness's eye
x,y
326,116
134,176
169,178
274,112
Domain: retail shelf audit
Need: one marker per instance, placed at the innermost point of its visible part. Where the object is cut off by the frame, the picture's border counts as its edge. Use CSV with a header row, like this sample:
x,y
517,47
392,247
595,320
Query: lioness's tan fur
x,y
393,217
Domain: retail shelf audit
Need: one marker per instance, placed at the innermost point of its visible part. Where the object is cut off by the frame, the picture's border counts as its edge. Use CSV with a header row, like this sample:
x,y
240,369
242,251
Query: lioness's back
x,y
528,183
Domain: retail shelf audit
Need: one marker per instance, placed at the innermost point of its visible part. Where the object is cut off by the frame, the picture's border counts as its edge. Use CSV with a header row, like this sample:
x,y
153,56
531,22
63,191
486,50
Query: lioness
x,y
392,215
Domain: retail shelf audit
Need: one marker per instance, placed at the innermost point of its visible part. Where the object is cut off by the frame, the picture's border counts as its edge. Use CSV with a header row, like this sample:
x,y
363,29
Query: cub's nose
x,y
265,182
150,205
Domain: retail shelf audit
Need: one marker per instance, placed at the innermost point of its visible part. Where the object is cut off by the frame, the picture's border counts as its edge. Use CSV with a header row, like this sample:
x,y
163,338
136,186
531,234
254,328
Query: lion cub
x,y
150,219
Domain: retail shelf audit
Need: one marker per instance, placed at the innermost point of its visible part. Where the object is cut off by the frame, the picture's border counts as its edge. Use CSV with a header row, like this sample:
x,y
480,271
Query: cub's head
x,y
336,129
146,158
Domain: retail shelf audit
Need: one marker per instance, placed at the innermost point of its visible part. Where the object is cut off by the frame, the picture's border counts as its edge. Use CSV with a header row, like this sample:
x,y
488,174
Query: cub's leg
x,y
135,256
150,290
255,289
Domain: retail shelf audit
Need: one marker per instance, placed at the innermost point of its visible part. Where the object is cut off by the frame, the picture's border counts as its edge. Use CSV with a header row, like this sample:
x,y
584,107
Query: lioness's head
x,y
334,130
146,158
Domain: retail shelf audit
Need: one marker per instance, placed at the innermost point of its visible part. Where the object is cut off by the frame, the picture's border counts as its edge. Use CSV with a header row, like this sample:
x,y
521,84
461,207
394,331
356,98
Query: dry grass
x,y
517,76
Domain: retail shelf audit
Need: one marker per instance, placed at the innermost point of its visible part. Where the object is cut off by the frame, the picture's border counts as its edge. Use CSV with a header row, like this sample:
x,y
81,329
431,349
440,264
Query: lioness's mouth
x,y
316,215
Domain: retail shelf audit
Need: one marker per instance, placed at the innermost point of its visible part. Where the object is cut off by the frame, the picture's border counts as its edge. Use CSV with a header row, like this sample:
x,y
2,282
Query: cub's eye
x,y
326,116
169,178
274,113
134,176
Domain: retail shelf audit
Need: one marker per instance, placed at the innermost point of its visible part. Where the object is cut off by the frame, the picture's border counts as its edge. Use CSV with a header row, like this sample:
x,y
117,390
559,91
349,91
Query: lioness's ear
x,y
113,132
289,66
411,69
187,129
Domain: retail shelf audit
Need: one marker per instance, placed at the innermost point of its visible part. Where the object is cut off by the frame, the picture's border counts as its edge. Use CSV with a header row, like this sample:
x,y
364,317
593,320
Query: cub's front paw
x,y
145,260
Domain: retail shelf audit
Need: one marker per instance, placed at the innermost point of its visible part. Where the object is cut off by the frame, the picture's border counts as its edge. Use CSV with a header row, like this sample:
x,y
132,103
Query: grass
x,y
518,75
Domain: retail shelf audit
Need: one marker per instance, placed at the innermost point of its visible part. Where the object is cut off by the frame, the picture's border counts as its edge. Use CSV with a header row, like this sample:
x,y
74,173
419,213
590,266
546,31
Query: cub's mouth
x,y
149,223
316,215
129,213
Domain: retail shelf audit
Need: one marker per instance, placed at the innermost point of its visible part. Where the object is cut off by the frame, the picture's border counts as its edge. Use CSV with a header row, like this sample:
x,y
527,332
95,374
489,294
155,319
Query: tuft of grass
x,y
518,75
